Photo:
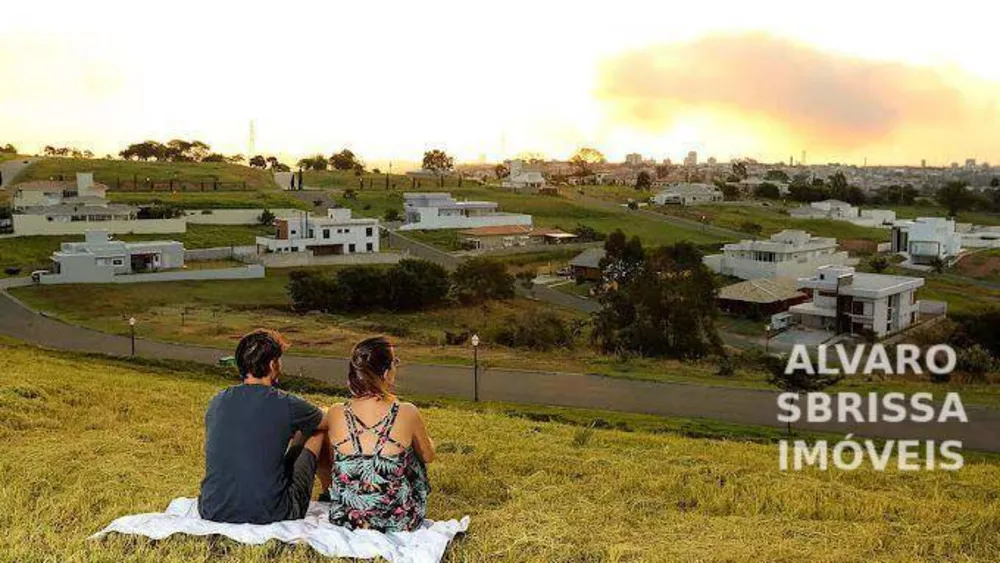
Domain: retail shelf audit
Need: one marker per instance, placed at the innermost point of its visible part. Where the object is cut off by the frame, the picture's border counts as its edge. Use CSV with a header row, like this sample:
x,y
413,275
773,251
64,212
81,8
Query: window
x,y
118,262
368,232
326,233
858,307
347,231
350,248
369,247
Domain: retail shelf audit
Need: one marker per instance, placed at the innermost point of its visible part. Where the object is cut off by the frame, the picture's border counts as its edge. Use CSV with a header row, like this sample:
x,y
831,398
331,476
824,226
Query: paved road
x,y
742,406
11,168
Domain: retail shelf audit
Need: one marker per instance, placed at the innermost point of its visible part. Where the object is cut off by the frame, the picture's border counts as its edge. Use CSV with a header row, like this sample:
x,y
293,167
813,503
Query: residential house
x,y
688,194
437,210
337,233
523,179
99,259
43,193
925,239
842,211
788,254
846,301
977,236
509,236
760,297
587,264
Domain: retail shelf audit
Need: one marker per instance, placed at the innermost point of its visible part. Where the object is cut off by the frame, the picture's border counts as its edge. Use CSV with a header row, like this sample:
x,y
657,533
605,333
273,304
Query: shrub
x,y
538,331
266,218
480,279
391,215
410,285
976,362
413,285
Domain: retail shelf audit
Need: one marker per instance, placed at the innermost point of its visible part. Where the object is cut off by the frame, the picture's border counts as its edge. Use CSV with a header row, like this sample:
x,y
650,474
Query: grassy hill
x,y
88,440
110,172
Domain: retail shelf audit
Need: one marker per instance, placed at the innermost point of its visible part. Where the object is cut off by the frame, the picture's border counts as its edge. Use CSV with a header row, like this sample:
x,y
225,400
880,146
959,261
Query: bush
x,y
480,279
410,285
391,215
160,211
266,218
538,331
976,362
413,285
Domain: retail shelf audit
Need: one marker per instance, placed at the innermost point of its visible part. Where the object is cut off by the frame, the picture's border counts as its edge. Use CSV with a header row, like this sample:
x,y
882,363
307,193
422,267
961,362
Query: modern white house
x,y
845,301
978,236
843,211
336,234
925,239
100,258
688,194
788,254
68,208
523,179
437,210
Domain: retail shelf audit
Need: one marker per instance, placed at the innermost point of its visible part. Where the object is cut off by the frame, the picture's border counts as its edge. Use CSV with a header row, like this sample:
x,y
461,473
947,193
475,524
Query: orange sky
x,y
842,81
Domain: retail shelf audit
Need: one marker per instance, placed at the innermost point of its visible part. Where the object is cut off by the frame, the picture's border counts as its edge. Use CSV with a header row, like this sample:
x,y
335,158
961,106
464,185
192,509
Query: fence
x,y
196,184
234,216
27,225
423,251
298,259
242,253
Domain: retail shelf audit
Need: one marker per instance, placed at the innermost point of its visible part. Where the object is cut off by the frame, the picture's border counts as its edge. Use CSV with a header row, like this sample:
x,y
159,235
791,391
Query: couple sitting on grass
x,y
264,447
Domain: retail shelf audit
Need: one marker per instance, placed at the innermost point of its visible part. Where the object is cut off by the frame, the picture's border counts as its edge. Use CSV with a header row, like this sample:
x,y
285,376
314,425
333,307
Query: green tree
x,y
414,285
266,218
438,161
776,176
345,160
480,279
767,190
584,160
643,181
391,215
739,169
315,162
258,161
955,197
878,263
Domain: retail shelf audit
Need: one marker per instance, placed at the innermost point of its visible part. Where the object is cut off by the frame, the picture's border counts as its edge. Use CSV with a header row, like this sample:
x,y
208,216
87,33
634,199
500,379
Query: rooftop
x,y
590,258
762,290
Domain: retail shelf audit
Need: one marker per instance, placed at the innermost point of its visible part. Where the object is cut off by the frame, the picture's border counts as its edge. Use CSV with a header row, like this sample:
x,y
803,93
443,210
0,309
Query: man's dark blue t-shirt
x,y
247,430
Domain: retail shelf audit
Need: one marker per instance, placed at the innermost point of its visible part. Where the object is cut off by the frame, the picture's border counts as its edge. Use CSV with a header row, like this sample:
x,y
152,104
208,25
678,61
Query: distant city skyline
x,y
722,78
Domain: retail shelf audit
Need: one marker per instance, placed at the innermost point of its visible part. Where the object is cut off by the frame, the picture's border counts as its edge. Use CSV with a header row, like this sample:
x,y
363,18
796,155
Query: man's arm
x,y
305,417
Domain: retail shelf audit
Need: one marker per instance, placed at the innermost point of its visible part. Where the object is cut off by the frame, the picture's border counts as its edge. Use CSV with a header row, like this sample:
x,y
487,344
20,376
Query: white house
x,y
688,194
843,211
42,193
436,210
99,259
977,236
927,238
788,254
845,301
337,233
522,178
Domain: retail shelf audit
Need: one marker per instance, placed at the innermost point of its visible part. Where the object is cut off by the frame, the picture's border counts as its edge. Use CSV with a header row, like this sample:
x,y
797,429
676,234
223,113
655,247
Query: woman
x,y
379,447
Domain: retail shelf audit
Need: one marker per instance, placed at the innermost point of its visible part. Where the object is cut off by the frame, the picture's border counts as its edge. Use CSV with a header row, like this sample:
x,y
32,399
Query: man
x,y
254,471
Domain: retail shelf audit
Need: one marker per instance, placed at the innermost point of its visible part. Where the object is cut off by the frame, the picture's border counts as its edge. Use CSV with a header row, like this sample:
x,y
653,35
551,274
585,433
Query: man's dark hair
x,y
257,350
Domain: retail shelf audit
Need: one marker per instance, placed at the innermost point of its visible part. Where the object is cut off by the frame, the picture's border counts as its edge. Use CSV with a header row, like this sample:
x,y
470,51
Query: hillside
x,y
111,172
87,440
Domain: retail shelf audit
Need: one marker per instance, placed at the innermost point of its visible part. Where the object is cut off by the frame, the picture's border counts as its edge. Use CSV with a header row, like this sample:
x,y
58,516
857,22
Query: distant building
x,y
977,236
436,210
633,159
970,163
845,301
99,259
523,179
691,159
336,234
688,194
843,211
926,238
510,236
587,264
788,254
43,193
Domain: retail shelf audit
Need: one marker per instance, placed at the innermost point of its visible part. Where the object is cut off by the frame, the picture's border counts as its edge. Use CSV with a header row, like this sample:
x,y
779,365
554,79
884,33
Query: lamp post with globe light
x,y
131,325
475,367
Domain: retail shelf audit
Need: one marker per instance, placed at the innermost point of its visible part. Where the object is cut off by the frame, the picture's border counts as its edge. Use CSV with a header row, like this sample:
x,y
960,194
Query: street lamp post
x,y
475,367
767,339
131,325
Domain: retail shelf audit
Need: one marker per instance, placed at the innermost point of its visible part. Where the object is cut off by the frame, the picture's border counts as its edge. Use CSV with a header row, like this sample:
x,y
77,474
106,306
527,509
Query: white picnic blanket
x,y
424,545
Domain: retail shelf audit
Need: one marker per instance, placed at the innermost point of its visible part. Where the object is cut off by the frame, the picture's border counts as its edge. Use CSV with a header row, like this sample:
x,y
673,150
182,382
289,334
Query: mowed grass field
x,y
30,253
212,199
87,441
110,171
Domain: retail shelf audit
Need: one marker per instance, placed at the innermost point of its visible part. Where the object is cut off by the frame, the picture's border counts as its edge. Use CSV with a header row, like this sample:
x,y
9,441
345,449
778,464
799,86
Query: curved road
x,y
740,406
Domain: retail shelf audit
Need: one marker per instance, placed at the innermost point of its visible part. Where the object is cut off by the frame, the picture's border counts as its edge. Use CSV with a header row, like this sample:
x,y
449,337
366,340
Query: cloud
x,y
823,99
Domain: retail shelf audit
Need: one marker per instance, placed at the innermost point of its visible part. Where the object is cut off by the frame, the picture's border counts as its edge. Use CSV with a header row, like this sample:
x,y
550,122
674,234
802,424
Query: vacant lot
x,y
114,172
589,495
212,199
983,264
31,253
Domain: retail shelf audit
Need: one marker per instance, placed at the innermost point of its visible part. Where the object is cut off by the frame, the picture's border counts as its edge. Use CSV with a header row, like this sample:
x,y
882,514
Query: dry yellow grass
x,y
85,441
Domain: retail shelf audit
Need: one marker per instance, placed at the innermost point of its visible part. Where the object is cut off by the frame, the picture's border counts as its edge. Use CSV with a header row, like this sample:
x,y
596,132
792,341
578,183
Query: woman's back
x,y
379,480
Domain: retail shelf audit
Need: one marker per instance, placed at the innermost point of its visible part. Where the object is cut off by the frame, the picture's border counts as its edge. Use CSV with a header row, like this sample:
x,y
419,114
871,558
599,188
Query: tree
x,y
480,279
413,285
662,305
584,159
501,170
8,149
586,233
730,192
266,218
391,215
438,161
751,227
215,157
739,169
955,196
643,181
994,183
235,159
767,190
878,263
258,161
344,160
663,170
315,162
776,176
938,265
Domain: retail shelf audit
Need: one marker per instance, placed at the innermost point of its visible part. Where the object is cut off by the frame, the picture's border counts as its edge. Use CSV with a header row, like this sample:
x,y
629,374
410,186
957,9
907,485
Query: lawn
x,y
347,179
113,172
213,199
926,210
31,253
88,440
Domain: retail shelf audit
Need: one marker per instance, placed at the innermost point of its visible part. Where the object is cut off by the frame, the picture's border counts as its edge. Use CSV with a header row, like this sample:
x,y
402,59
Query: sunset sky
x,y
840,80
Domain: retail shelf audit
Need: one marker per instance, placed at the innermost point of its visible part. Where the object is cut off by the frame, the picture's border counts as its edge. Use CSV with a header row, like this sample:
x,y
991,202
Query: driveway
x,y
9,169
735,405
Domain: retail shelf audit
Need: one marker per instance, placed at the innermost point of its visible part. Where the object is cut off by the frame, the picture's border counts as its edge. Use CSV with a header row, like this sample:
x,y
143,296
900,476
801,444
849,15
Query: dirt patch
x,y
858,246
982,265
